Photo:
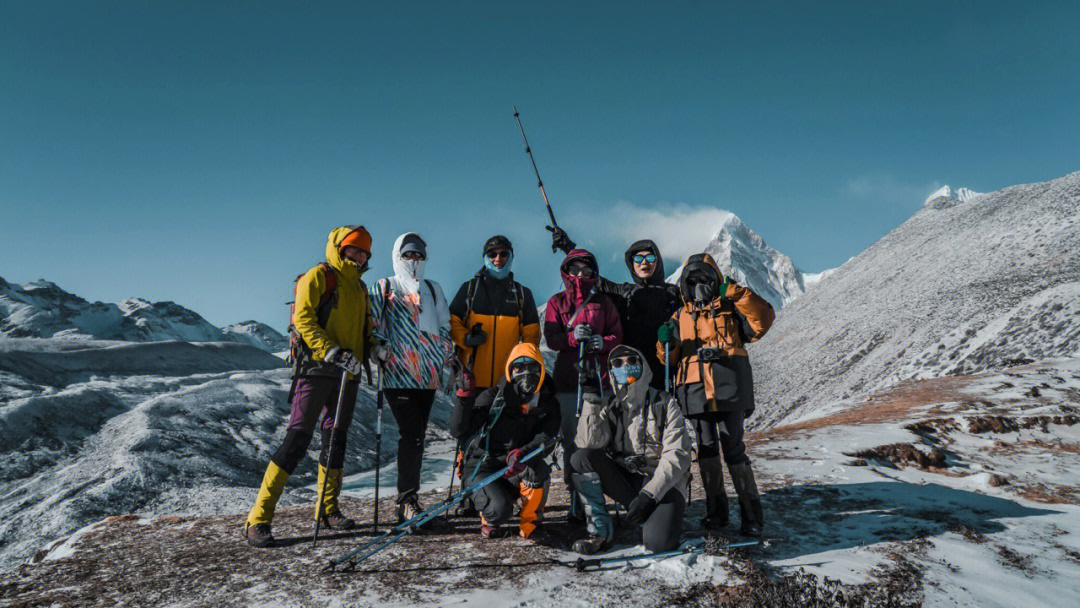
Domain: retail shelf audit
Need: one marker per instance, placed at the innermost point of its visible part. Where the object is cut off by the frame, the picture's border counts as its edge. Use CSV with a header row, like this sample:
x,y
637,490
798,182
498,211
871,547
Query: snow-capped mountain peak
x,y
961,195
744,256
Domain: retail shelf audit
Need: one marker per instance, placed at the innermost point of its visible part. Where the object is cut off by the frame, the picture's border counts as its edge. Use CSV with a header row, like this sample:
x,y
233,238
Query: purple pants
x,y
313,396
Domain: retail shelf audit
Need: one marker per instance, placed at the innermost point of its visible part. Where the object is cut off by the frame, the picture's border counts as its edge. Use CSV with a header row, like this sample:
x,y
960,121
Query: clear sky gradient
x,y
201,152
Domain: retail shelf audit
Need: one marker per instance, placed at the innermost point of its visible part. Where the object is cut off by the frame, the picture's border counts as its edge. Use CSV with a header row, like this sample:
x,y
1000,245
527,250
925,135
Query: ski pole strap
x,y
408,527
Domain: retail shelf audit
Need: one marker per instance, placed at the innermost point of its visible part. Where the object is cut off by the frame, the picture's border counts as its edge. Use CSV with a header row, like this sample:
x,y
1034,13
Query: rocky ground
x,y
954,491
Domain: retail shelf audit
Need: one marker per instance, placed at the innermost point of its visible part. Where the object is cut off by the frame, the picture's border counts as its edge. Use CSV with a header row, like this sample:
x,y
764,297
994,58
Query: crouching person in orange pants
x,y
506,422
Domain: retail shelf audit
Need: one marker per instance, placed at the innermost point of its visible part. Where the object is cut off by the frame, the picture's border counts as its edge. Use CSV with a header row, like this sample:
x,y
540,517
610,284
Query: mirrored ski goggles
x,y
618,362
642,258
498,254
580,271
524,365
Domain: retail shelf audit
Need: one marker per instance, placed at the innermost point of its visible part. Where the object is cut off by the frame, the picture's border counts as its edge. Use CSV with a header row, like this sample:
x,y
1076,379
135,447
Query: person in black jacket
x,y
505,423
644,305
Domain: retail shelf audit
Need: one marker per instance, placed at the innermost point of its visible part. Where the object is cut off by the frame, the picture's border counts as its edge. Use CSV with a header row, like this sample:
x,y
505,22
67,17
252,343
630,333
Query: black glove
x,y
640,508
345,360
560,240
475,337
594,343
536,473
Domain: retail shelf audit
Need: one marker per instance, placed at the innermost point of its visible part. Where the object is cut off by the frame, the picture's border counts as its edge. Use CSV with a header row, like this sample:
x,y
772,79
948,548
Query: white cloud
x,y
884,188
678,230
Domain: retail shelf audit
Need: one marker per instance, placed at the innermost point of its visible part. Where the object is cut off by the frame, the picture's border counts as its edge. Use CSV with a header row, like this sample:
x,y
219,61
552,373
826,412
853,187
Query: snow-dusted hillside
x,y
745,256
89,429
961,287
43,310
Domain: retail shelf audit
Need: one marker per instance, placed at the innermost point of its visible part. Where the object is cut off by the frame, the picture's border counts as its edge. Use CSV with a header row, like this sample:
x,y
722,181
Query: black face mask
x,y
525,383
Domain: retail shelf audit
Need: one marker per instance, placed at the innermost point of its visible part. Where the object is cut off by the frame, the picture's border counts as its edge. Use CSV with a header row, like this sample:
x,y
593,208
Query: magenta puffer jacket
x,y
600,313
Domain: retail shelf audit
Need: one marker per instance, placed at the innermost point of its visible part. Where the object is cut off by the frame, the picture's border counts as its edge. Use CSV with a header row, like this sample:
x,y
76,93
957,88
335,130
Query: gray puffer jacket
x,y
641,428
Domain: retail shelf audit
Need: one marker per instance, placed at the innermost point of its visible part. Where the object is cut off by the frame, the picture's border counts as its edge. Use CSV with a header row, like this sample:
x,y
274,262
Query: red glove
x,y
516,467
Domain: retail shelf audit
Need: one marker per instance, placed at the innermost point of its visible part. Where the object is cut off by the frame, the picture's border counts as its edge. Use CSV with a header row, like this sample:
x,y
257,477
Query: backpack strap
x,y
431,290
485,432
328,300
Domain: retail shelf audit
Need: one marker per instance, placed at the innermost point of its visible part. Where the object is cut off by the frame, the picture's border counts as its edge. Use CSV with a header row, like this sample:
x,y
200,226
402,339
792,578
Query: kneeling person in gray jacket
x,y
632,446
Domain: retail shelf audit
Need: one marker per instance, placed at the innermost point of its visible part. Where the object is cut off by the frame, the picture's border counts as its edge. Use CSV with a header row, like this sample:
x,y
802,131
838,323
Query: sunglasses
x,y
412,255
649,257
580,271
517,368
501,253
627,360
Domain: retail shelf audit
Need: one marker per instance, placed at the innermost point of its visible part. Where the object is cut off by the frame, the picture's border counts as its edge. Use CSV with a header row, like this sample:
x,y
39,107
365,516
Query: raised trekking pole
x,y
329,454
408,527
539,182
378,448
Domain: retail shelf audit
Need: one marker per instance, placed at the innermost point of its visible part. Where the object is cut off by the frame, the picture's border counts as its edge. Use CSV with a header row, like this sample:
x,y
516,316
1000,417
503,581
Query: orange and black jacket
x,y
496,307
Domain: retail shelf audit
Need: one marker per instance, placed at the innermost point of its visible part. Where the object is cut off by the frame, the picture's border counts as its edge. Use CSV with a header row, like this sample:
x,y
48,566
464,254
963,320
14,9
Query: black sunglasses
x,y
502,253
627,360
531,366
582,271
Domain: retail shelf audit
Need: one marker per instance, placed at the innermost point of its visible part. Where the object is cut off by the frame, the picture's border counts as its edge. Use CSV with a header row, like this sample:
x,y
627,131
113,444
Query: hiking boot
x,y
337,521
716,512
258,535
408,509
489,531
716,501
749,500
466,508
589,545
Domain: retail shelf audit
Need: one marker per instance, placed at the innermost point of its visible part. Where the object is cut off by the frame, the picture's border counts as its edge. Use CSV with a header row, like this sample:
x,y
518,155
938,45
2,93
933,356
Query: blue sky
x,y
201,152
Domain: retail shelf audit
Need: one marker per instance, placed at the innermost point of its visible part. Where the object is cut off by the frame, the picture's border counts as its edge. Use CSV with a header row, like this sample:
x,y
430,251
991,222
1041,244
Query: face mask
x,y
412,266
627,374
703,292
526,383
498,273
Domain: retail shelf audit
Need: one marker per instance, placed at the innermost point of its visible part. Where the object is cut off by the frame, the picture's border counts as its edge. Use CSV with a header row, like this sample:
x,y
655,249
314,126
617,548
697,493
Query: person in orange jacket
x,y
713,382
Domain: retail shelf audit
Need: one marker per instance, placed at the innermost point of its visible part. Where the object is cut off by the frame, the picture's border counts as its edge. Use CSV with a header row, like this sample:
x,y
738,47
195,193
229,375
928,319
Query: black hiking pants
x,y
722,434
662,531
411,408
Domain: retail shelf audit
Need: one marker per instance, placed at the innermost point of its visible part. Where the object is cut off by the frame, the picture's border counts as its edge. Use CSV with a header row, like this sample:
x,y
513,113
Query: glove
x,y
516,467
640,508
666,334
594,343
560,240
345,360
582,331
536,474
475,337
381,352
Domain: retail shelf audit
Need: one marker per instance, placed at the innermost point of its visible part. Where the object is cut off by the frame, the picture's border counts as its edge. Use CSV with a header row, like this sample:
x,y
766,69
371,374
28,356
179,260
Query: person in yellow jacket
x,y
713,382
332,318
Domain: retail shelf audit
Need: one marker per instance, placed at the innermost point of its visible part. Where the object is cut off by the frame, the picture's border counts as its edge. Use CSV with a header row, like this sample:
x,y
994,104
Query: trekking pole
x,y
667,367
408,527
539,182
453,467
378,448
329,451
581,376
583,564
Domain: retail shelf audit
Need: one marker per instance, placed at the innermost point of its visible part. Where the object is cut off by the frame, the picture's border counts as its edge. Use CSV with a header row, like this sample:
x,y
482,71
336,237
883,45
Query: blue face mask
x,y
498,273
627,374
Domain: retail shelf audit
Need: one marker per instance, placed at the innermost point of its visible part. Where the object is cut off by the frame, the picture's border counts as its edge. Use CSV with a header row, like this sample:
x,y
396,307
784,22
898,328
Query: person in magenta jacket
x,y
578,316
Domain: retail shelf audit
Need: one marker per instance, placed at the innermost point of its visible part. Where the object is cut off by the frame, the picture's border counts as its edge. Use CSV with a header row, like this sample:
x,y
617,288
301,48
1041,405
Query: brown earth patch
x,y
903,454
1051,494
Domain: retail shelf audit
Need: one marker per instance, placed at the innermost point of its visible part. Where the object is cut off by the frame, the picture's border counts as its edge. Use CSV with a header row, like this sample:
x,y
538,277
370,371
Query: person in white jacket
x,y
411,320
634,447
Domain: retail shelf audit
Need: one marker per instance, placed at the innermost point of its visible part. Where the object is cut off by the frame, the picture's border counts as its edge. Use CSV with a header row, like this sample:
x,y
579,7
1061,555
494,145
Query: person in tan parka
x,y
633,445
713,381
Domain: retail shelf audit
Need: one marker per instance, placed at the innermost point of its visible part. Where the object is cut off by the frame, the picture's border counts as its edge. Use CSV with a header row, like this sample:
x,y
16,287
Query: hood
x,y
409,279
530,350
697,261
635,394
579,286
346,267
658,275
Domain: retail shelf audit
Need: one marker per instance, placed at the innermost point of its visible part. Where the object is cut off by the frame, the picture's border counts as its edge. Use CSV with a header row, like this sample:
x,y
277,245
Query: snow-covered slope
x,y
89,429
745,256
958,288
259,335
43,310
951,196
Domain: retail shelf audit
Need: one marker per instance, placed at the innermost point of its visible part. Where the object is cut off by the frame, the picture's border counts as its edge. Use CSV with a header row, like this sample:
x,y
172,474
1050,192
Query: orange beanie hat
x,y
358,238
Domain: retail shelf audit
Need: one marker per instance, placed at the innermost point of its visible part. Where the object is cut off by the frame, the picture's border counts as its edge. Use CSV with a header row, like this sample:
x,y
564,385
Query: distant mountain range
x,y
42,309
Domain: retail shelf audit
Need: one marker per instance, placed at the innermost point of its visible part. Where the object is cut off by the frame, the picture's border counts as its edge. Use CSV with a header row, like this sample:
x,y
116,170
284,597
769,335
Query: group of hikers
x,y
623,434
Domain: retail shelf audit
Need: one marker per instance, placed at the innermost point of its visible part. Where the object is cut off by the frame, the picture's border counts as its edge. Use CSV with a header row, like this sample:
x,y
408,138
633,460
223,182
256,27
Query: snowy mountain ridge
x,y
961,287
41,309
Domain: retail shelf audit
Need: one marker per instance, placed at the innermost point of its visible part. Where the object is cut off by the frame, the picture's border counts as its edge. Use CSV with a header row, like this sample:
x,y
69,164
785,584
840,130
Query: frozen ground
x,y
957,491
